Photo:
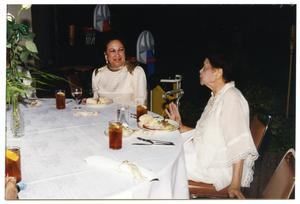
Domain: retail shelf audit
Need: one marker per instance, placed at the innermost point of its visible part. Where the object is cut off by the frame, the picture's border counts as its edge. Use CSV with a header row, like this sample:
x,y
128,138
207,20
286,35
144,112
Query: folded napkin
x,y
85,113
139,174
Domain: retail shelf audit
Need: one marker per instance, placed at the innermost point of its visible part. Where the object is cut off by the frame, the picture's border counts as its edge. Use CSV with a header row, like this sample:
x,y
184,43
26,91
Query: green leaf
x,y
23,29
24,56
30,45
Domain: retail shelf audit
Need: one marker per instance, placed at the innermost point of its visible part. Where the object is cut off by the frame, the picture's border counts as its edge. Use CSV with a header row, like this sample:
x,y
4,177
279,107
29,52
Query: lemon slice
x,y
60,93
12,155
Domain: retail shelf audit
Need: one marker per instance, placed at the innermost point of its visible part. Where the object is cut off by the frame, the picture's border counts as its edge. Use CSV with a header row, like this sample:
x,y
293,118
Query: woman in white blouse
x,y
221,150
118,79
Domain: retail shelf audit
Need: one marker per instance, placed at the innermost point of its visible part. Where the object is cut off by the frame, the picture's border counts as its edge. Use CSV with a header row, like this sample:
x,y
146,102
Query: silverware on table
x,y
155,142
152,144
155,179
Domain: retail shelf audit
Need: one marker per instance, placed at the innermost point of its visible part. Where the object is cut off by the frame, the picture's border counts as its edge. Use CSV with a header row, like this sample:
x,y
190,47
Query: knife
x,y
155,141
152,144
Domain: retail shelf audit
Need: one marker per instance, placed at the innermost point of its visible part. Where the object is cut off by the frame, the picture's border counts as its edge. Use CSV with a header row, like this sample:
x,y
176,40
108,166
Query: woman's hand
x,y
235,192
11,192
173,113
234,188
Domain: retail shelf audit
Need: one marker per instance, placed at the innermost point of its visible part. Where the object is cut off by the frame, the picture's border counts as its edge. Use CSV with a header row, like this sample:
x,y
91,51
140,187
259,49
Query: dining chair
x,y
204,190
175,94
258,129
282,182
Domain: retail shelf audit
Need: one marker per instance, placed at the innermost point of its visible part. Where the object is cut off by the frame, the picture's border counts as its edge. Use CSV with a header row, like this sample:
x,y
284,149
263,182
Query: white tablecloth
x,y
56,144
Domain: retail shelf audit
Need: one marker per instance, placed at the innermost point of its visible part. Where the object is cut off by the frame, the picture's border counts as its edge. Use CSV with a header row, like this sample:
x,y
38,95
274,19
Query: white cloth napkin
x,y
85,113
139,174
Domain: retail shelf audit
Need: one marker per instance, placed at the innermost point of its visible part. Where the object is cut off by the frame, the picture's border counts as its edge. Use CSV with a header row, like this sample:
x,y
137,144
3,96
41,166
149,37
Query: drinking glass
x,y
76,93
115,134
123,113
13,162
60,99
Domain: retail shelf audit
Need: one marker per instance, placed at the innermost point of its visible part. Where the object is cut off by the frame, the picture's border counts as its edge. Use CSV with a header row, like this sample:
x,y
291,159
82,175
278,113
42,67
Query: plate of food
x,y
148,122
98,103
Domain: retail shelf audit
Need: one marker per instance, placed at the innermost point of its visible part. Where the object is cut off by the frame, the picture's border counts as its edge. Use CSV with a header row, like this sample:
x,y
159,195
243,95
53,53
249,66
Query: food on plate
x,y
98,101
146,119
104,100
148,122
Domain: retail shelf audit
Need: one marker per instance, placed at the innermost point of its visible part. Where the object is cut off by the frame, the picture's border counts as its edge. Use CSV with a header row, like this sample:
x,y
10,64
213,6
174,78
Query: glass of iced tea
x,y
115,135
60,99
141,108
13,162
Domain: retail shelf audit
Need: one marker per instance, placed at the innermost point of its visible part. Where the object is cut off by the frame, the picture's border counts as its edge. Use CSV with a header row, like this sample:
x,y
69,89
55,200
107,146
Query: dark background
x,y
258,36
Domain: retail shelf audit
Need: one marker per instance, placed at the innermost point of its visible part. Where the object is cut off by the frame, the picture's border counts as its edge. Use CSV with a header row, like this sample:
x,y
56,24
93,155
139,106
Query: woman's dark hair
x,y
111,38
220,60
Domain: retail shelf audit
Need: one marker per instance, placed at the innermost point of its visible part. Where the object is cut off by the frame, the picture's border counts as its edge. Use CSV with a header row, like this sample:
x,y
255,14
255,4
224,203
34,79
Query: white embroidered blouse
x,y
221,138
121,86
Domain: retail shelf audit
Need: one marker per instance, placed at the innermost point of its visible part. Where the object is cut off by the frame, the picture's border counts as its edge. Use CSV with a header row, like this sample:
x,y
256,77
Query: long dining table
x,y
57,145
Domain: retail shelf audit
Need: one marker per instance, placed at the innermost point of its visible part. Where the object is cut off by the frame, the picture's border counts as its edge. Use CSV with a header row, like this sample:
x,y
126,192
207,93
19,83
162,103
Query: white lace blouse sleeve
x,y
94,85
140,83
234,121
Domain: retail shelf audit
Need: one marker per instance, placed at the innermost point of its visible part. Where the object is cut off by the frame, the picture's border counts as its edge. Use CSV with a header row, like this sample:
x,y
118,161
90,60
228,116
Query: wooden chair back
x,y
258,129
282,182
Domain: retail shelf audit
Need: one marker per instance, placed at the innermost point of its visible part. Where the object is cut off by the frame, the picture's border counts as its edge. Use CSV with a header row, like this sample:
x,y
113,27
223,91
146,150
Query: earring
x,y
106,58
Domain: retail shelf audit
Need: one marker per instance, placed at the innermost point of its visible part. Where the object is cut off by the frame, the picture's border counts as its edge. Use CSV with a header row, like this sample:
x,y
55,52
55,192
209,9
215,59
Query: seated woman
x,y
221,150
118,79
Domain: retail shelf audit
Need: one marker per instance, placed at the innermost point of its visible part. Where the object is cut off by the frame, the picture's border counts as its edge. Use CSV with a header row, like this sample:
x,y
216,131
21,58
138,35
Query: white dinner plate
x,y
175,126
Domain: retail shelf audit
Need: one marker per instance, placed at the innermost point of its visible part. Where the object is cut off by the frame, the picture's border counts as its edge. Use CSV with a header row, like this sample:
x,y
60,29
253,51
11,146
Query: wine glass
x,y
76,93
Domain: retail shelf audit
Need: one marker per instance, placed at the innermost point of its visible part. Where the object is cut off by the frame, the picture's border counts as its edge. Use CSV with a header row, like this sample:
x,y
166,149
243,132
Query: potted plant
x,y
21,53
